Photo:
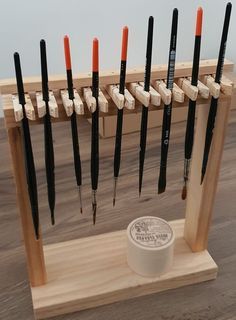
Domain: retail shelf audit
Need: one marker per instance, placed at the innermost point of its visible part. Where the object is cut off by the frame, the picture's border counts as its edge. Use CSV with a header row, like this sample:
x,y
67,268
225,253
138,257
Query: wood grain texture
x,y
56,82
33,247
210,300
93,271
200,199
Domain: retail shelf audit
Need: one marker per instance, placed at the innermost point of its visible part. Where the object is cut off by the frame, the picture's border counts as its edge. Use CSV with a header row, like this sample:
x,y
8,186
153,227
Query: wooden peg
x,y
52,104
177,93
129,100
102,102
190,90
67,103
41,106
118,99
29,108
163,91
213,86
138,92
90,100
226,86
203,90
155,96
18,111
78,103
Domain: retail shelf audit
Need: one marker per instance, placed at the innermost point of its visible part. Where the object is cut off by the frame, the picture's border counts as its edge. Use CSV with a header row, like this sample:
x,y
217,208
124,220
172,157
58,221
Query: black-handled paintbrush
x,y
189,134
119,123
144,117
28,152
166,124
74,130
95,128
48,140
214,102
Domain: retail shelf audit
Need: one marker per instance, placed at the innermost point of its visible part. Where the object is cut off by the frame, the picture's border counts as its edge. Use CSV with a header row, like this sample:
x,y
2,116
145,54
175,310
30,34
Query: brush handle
x,y
28,152
95,119
49,159
144,118
148,64
95,149
189,134
214,102
143,140
48,140
44,70
119,122
221,57
74,130
209,133
76,151
70,86
166,123
118,141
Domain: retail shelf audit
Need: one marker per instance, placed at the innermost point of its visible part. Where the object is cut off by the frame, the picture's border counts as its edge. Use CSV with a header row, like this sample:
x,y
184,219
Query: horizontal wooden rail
x,y
10,121
33,85
182,69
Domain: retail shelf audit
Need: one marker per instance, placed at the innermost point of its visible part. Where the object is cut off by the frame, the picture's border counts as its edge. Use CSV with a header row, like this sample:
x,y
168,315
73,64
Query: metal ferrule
x,y
94,196
187,163
114,187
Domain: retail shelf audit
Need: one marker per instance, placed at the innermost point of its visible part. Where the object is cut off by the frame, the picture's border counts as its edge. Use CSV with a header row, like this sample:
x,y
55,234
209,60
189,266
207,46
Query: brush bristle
x,y
52,219
184,193
162,180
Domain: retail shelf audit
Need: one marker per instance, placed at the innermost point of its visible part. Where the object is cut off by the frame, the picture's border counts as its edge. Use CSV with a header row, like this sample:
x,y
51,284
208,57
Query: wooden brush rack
x,y
85,273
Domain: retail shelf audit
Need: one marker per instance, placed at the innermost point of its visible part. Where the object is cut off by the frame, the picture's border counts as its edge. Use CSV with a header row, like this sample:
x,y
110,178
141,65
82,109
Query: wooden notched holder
x,y
85,273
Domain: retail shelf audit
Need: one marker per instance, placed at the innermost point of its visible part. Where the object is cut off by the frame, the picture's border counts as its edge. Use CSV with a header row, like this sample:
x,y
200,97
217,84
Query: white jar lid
x,y
150,246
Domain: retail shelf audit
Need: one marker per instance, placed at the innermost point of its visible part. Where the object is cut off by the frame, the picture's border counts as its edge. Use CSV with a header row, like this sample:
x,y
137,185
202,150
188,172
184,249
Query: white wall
x,y
24,23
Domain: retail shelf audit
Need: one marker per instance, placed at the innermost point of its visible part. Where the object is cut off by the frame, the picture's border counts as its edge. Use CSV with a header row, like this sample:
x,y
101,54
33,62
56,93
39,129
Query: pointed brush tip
x,y
114,202
53,220
81,210
161,189
94,218
202,178
161,184
184,193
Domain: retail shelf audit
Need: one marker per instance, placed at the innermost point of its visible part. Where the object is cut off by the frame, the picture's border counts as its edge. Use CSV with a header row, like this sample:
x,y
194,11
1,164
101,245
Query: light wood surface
x,y
209,300
56,82
200,197
33,247
203,90
212,85
190,90
163,91
139,93
93,271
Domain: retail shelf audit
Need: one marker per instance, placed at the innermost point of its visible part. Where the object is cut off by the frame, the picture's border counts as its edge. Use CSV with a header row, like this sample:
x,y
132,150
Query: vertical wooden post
x,y
33,247
200,199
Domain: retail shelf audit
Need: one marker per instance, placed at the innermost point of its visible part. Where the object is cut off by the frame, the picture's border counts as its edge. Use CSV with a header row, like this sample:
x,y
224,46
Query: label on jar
x,y
151,232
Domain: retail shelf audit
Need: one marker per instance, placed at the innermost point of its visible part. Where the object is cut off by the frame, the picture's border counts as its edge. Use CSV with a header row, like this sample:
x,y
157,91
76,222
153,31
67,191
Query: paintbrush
x,y
144,117
119,123
166,124
48,141
189,134
95,128
74,131
214,102
28,152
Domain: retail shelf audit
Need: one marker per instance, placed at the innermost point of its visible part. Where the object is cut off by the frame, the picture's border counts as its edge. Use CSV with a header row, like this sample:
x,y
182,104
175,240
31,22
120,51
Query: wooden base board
x,y
93,271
